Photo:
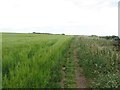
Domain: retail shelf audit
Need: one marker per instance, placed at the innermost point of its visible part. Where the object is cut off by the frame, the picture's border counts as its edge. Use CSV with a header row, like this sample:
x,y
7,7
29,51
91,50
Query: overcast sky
x,y
85,17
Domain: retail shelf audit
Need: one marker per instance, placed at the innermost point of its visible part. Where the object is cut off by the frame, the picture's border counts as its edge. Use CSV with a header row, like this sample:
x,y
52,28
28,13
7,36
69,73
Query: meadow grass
x,y
32,60
100,62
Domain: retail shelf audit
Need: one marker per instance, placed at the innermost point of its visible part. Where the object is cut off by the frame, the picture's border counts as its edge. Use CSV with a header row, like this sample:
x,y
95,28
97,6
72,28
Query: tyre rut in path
x,y
79,77
64,71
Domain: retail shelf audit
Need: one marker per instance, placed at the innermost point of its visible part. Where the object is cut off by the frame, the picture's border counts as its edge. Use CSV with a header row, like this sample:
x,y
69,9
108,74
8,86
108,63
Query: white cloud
x,y
71,16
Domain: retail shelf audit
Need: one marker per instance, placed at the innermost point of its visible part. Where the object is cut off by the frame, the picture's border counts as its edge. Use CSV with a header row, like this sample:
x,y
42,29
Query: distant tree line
x,y
40,33
116,40
47,33
111,37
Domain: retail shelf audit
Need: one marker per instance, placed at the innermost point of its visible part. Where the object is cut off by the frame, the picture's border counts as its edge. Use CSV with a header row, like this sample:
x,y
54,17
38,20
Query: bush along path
x,y
72,73
100,62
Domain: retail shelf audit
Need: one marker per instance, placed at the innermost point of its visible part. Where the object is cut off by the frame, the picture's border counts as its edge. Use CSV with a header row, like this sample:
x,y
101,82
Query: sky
x,y
79,17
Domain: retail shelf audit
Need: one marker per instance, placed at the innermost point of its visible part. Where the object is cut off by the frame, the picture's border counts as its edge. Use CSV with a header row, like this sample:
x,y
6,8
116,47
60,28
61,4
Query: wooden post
x,y
119,19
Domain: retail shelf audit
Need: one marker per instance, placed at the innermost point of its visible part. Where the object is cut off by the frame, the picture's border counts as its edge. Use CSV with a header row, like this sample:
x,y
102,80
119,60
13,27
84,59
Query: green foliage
x,y
100,61
70,68
36,60
33,60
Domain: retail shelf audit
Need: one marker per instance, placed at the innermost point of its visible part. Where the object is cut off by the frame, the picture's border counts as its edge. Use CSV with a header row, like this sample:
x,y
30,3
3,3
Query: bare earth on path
x,y
80,79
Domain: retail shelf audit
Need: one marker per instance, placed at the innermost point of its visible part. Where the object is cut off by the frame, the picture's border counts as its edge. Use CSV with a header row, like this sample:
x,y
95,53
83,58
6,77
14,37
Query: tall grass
x,y
33,60
100,61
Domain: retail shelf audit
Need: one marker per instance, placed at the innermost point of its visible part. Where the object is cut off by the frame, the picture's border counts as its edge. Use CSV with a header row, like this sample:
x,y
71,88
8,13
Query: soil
x,y
80,79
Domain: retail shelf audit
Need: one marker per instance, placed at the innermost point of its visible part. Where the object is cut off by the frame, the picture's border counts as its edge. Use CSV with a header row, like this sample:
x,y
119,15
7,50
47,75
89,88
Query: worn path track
x,y
64,70
78,78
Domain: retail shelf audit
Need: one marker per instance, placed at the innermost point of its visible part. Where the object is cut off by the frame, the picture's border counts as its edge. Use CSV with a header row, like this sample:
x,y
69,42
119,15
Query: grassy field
x,y
32,60
55,61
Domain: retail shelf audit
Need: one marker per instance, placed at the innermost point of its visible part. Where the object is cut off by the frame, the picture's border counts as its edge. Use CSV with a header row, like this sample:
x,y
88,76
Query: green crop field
x,y
31,60
59,61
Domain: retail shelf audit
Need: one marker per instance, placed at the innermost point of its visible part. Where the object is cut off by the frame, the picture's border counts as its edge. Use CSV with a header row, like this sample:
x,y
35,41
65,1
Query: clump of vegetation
x,y
115,39
93,36
62,34
41,33
100,61
110,37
